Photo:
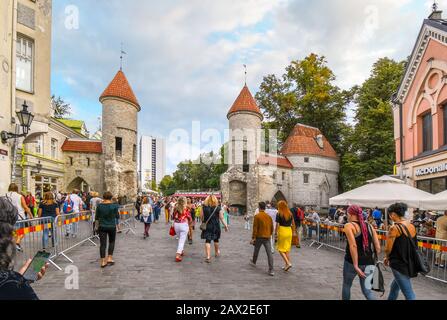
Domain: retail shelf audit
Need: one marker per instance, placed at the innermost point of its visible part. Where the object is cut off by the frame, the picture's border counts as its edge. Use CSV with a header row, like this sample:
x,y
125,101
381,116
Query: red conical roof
x,y
245,102
120,88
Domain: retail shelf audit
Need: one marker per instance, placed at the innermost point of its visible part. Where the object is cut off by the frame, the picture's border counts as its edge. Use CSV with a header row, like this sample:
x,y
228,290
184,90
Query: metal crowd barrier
x,y
310,228
71,231
333,236
62,234
35,235
435,250
127,219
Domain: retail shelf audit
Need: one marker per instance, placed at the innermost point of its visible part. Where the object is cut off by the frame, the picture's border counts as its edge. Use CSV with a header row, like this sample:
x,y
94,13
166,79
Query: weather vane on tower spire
x,y
121,57
435,6
245,67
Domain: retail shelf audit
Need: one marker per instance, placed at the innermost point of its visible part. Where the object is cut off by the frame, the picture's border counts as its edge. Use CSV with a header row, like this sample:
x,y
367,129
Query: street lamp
x,y
39,169
25,118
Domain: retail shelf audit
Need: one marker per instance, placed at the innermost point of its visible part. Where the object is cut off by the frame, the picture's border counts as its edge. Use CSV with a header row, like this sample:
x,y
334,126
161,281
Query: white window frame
x,y
39,144
22,53
54,146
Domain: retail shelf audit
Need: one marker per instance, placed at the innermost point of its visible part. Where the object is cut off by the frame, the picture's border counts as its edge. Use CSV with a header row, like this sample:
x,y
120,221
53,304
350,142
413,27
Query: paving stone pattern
x,y
145,269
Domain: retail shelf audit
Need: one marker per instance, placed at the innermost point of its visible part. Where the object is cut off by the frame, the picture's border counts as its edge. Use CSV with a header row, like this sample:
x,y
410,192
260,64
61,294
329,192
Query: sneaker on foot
x,y
252,263
19,248
271,273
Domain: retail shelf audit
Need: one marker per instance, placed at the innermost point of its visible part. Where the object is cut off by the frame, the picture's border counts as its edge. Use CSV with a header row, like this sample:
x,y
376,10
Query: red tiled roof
x,y
302,140
245,102
280,162
86,146
120,88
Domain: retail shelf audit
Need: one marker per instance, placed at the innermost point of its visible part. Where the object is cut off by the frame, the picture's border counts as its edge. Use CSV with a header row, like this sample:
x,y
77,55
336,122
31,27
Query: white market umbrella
x,y
438,202
382,193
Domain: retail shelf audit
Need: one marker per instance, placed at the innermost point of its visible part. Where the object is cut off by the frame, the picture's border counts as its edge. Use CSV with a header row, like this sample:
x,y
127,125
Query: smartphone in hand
x,y
36,265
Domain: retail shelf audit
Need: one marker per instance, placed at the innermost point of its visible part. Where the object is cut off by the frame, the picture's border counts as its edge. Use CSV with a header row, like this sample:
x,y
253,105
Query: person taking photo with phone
x,y
13,285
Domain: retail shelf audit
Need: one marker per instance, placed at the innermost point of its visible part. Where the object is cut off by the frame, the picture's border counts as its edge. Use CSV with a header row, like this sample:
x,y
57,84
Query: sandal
x,y
208,260
288,268
178,259
218,254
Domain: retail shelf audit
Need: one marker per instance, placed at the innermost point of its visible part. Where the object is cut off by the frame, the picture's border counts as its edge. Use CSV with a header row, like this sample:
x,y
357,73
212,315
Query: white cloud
x,y
185,57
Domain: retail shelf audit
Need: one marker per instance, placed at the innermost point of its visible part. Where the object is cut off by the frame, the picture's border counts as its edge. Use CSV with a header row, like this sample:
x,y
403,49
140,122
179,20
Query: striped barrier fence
x,y
126,221
435,250
73,230
33,236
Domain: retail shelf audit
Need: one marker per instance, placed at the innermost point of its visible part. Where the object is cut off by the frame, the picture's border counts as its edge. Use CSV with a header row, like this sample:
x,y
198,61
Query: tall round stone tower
x,y
120,110
240,184
245,120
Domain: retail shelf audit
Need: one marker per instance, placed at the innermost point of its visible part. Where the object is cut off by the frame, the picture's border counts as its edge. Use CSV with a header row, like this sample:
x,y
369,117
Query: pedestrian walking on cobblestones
x,y
192,223
146,214
182,219
212,216
399,254
262,233
362,244
166,210
107,213
285,228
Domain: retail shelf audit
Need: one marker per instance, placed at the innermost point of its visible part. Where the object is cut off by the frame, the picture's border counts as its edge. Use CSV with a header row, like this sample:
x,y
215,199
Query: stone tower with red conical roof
x,y
120,110
239,184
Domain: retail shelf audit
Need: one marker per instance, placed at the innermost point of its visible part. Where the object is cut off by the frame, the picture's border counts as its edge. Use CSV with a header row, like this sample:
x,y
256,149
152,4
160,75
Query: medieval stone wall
x,y
323,180
120,171
243,130
92,175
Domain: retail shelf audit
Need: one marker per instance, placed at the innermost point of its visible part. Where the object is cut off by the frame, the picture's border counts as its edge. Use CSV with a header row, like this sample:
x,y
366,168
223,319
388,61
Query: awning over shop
x,y
438,202
383,192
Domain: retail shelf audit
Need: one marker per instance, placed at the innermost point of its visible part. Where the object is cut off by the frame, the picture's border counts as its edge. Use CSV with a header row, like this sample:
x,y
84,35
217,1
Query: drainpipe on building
x,y
13,83
401,129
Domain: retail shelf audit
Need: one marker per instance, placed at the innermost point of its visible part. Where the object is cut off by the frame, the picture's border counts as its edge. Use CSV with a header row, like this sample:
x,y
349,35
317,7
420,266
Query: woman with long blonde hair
x,y
285,226
182,219
212,216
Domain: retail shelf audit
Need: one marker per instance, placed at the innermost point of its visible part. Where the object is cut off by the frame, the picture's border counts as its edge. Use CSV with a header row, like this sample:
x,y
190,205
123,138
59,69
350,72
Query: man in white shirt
x,y
315,218
272,212
77,208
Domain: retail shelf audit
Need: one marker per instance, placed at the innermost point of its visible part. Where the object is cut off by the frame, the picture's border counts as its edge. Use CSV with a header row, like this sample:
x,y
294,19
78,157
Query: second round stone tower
x,y
120,109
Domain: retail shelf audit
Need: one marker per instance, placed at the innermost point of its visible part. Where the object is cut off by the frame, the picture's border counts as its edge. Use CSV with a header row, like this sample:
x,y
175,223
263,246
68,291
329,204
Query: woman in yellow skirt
x,y
284,233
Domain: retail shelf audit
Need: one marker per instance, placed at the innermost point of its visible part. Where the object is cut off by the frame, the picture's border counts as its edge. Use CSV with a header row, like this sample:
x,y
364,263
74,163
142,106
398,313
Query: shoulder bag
x,y
420,263
203,225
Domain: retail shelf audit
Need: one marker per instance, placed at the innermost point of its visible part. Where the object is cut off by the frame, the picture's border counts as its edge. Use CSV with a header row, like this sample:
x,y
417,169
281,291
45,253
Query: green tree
x,y
203,174
305,94
62,110
370,147
167,186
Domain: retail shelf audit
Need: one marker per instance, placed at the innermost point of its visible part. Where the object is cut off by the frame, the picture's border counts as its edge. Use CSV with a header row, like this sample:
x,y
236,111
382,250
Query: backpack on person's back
x,y
68,206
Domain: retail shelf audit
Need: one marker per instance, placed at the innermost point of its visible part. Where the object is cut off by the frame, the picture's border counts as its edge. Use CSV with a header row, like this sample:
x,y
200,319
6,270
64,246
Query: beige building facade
x,y
25,73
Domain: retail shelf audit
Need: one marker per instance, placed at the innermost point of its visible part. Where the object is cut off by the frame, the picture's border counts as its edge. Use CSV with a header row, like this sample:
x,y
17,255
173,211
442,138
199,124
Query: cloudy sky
x,y
185,57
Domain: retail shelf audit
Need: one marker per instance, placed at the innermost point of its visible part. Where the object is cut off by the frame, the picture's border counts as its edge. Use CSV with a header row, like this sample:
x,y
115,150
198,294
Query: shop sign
x,y
431,170
3,155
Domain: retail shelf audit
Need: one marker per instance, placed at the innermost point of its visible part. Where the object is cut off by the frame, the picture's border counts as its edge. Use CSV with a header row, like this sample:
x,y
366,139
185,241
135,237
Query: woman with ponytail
x,y
362,238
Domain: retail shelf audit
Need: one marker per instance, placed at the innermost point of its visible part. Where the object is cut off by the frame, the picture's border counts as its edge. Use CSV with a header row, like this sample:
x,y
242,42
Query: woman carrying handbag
x,y
401,254
182,220
146,216
212,216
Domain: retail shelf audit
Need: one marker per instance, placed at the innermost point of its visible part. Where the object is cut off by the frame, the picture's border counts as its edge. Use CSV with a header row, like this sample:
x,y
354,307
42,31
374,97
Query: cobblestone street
x,y
146,269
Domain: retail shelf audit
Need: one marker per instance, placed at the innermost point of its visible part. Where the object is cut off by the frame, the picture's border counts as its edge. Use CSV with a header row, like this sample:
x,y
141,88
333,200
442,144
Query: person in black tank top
x,y
399,253
362,244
